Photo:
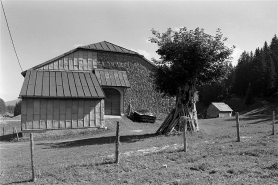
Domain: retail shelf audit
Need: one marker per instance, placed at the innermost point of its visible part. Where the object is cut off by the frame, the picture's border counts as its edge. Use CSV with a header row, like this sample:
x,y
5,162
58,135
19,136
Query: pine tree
x,y
274,54
249,95
17,109
270,75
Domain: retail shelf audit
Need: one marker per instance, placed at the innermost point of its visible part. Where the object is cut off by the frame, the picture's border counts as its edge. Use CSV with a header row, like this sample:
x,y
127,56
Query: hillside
x,y
12,102
213,156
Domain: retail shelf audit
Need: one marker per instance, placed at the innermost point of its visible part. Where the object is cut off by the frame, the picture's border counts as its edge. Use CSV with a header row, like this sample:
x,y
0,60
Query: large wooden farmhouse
x,y
78,88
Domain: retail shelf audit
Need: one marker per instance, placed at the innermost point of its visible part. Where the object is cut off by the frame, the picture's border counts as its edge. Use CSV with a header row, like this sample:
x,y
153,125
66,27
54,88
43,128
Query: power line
x,y
11,36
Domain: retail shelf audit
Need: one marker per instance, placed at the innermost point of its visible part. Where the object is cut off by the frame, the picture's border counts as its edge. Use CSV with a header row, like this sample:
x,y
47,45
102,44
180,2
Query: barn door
x,y
112,101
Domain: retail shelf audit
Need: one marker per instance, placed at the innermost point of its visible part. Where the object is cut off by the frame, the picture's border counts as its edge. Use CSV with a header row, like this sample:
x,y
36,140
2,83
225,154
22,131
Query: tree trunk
x,y
185,106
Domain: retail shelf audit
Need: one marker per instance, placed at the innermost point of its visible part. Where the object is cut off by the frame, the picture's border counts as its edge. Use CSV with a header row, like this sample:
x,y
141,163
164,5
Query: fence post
x,y
237,126
32,157
16,133
273,122
184,136
183,122
117,144
3,131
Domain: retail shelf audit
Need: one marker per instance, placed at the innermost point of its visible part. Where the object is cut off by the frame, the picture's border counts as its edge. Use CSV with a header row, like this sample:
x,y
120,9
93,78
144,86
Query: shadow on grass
x,y
19,182
112,161
99,141
258,118
9,137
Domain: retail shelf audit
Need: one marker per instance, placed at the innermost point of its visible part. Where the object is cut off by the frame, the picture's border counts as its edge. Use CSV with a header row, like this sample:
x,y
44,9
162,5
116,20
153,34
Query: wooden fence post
x,y
183,122
117,144
273,122
237,126
184,136
15,130
32,157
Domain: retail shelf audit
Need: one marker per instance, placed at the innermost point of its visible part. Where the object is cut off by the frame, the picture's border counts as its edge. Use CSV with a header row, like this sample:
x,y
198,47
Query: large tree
x,y
188,58
2,106
17,108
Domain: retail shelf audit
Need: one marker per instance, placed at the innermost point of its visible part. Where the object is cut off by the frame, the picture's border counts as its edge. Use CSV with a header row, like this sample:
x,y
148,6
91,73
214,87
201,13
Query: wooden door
x,y
112,101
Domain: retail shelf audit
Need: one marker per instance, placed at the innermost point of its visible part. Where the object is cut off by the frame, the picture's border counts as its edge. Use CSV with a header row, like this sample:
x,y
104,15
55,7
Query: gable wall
x,y
81,60
212,111
141,95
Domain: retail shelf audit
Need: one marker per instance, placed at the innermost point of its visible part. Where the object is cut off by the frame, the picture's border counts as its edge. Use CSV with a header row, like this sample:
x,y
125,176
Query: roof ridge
x,y
120,47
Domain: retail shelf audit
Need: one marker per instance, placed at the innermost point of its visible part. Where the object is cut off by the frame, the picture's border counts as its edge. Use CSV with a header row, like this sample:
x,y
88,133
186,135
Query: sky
x,y
42,30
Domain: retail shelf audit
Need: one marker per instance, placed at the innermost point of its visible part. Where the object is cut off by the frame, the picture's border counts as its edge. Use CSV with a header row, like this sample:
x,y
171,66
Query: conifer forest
x,y
255,76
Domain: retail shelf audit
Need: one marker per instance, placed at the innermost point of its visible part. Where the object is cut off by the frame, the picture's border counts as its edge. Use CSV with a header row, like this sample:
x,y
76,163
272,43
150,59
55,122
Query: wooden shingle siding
x,y
71,61
80,60
61,113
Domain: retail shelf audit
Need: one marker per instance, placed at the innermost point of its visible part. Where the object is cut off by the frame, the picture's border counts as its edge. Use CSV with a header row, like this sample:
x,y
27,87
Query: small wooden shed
x,y
219,110
61,99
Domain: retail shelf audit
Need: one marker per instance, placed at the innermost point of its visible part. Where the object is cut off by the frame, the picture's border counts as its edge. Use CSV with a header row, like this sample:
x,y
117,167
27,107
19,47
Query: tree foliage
x,y
249,95
189,57
17,108
258,68
10,109
2,106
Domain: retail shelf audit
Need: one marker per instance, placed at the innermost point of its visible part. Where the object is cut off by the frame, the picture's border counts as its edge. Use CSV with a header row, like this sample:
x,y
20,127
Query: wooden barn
x,y
80,87
219,110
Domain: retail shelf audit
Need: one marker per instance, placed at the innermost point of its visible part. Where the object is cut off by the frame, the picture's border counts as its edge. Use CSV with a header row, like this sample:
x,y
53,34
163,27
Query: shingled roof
x,y
113,78
222,106
61,84
107,46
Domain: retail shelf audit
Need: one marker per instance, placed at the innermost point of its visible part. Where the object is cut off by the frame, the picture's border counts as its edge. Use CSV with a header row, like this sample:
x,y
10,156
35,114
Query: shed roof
x,y
222,106
61,84
114,78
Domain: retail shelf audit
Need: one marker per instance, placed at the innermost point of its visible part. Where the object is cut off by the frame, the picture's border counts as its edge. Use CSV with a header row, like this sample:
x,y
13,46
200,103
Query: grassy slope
x,y
213,156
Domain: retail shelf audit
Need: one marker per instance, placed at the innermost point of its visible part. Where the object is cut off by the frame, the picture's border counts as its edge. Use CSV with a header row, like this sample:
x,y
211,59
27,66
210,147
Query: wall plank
x,y
102,113
56,65
62,113
71,61
90,60
36,121
49,114
80,60
85,60
86,113
94,57
50,66
24,106
97,114
75,61
56,118
74,113
43,113
68,113
66,63
23,121
80,113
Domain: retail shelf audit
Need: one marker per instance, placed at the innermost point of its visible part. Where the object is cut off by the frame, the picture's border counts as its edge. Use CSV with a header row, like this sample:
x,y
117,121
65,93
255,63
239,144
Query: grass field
x,y
213,157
